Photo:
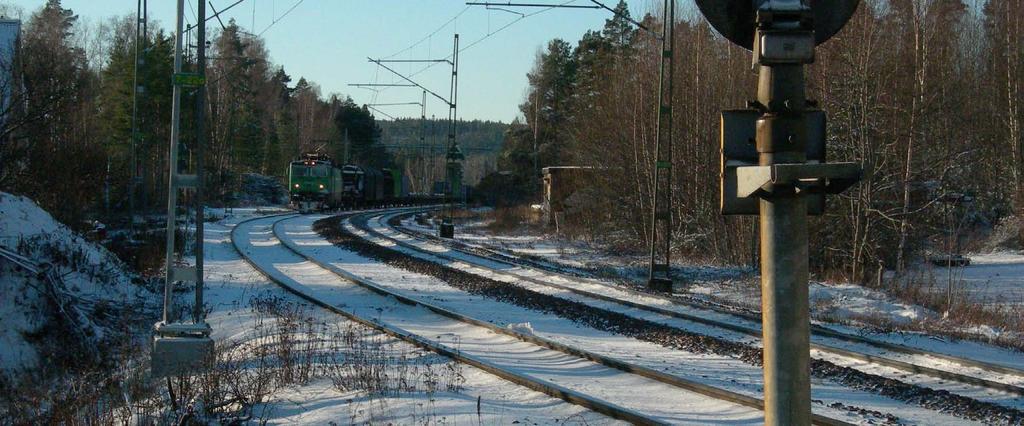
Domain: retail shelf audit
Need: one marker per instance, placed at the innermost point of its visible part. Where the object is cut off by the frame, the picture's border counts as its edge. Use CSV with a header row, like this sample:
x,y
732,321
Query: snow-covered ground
x,y
92,283
569,372
484,398
735,284
469,262
842,301
712,369
996,278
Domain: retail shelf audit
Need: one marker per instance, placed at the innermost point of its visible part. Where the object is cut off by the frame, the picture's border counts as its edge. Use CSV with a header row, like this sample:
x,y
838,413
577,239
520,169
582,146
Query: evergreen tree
x,y
359,128
618,31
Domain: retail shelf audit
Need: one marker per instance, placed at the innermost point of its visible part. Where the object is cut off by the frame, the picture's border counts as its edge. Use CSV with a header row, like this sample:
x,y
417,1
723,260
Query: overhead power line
x,y
216,14
628,18
596,5
504,10
279,18
414,60
477,41
381,112
396,104
428,36
381,85
510,4
492,33
442,98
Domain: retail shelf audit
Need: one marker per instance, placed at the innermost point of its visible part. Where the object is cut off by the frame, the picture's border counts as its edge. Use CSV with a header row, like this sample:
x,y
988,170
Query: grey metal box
x,y
177,356
738,148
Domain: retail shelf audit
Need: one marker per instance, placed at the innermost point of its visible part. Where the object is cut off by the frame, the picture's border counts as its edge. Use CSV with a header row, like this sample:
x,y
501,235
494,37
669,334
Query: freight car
x,y
315,182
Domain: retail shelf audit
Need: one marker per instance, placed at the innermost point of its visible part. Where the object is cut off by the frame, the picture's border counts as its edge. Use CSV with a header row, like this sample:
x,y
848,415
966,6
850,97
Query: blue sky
x,y
328,41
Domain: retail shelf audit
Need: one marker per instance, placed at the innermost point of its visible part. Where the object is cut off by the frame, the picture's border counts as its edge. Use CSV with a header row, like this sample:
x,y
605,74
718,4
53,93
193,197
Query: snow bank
x,y
852,302
92,281
521,327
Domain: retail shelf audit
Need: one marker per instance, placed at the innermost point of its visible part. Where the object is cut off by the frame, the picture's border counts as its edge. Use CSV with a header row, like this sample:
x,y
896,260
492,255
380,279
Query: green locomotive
x,y
315,182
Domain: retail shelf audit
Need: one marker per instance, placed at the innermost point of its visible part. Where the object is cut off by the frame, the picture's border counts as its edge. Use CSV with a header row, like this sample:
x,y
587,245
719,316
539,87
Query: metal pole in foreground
x,y
172,190
181,348
784,304
776,180
198,315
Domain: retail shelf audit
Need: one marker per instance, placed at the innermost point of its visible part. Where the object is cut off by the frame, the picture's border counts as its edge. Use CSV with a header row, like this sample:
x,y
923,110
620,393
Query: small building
x,y
561,183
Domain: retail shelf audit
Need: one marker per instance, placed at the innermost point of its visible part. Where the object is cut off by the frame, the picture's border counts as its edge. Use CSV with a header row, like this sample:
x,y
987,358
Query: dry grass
x,y
961,312
508,219
287,346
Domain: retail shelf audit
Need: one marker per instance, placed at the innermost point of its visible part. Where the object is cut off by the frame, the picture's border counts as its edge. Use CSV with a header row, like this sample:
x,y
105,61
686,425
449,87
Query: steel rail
x,y
704,389
538,385
874,359
676,381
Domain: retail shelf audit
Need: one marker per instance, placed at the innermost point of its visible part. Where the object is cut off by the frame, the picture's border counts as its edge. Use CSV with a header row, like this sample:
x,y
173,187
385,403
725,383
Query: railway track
x,y
728,324
752,317
551,357
950,392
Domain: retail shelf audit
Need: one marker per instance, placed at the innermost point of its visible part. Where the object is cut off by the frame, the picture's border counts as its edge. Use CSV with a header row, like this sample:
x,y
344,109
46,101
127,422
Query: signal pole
x,y
659,276
141,16
776,180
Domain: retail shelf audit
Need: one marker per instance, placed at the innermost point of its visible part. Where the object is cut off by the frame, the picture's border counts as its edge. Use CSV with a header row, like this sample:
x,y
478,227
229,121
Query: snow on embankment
x,y
66,308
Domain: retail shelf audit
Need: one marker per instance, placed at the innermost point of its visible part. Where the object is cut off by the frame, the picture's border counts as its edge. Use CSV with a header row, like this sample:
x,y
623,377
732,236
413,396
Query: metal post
x,y
172,162
660,274
433,160
198,314
784,305
133,183
180,348
453,155
423,139
782,35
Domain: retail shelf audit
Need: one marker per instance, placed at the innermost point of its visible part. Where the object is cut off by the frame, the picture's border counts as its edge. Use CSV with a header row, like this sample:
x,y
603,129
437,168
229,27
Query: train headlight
x,y
321,186
296,185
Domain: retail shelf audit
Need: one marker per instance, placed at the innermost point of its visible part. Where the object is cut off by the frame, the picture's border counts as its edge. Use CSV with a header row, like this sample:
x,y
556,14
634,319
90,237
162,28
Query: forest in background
x,y
924,94
67,142
480,141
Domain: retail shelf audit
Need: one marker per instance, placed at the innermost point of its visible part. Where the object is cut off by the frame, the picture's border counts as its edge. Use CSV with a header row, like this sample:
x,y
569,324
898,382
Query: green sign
x,y
188,79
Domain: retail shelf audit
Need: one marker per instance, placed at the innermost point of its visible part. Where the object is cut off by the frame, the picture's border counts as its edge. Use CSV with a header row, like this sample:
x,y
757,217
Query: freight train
x,y
315,182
